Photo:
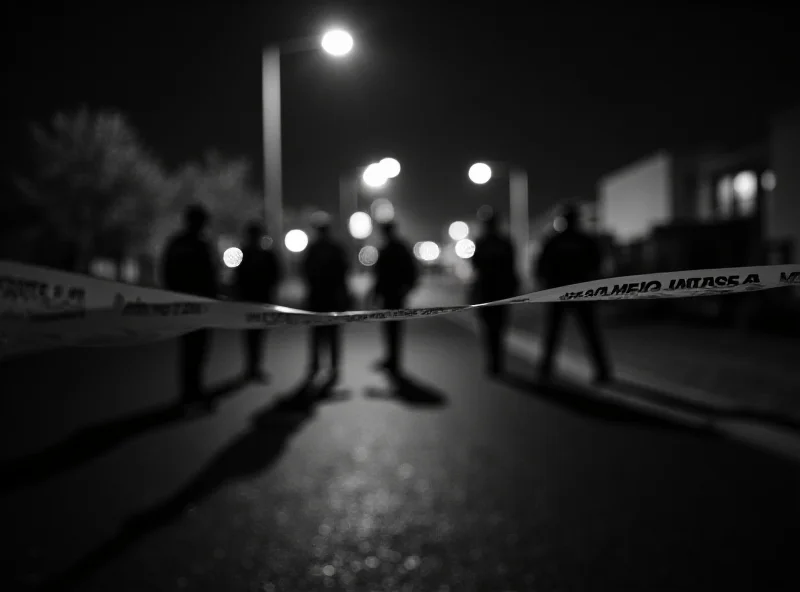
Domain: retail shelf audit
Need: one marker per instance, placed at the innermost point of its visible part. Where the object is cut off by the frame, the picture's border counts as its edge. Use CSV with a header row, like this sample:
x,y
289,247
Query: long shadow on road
x,y
249,454
580,399
409,391
740,414
93,442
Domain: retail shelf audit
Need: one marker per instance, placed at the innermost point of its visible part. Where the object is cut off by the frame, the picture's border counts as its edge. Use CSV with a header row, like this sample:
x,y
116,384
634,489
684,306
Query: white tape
x,y
43,308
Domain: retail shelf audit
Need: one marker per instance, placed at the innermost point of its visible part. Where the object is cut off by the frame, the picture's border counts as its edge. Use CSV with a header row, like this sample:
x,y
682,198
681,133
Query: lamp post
x,y
481,173
336,43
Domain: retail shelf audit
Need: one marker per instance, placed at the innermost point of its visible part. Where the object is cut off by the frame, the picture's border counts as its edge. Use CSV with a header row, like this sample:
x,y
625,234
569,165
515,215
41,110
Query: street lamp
x,y
336,43
465,248
390,167
481,173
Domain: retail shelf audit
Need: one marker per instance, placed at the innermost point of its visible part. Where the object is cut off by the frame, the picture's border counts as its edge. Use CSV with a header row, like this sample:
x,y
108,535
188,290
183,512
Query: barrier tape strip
x,y
42,308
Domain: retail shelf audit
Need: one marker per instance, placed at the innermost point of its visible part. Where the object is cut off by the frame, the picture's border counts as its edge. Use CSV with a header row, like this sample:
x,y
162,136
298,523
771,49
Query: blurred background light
x,y
360,225
232,257
465,248
296,240
368,255
390,167
480,173
458,230
382,210
337,42
429,251
374,176
745,185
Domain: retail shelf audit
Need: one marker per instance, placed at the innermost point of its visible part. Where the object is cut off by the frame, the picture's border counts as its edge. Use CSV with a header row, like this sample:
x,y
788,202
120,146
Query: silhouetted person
x,y
495,279
188,267
569,257
325,271
256,280
395,276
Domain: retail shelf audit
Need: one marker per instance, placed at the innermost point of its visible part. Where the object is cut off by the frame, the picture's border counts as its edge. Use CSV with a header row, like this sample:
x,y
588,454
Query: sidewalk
x,y
724,369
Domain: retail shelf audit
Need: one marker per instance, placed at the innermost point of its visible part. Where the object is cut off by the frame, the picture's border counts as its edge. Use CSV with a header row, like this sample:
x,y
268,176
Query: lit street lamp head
x,y
480,173
374,176
390,166
337,43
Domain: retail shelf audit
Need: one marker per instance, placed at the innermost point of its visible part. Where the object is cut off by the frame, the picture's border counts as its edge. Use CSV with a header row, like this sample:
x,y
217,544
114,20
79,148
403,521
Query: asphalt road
x,y
452,481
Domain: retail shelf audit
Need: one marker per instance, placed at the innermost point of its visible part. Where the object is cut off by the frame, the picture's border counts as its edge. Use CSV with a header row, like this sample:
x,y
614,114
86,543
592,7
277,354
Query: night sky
x,y
567,93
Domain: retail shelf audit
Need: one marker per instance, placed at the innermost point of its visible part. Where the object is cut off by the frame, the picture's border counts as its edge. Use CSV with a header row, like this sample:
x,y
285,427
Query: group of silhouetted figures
x,y
568,257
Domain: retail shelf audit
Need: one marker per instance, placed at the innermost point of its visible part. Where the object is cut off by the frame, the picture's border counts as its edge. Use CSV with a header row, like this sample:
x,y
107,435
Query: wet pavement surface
x,y
448,480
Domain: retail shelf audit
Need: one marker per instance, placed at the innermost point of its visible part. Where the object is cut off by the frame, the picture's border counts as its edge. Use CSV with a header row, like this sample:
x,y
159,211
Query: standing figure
x,y
395,276
495,279
570,257
325,271
256,280
188,267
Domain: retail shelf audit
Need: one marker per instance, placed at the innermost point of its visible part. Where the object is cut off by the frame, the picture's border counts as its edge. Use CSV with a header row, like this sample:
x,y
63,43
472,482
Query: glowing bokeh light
x,y
458,230
360,225
337,42
429,251
374,176
480,173
382,210
745,185
768,181
232,257
368,256
296,240
465,248
390,167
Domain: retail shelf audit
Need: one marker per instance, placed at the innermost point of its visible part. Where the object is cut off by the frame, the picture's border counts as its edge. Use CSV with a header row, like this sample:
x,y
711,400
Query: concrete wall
x,y
782,211
633,200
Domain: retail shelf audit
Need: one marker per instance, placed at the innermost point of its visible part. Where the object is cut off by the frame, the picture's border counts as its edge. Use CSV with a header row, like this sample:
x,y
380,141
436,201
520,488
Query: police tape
x,y
42,308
